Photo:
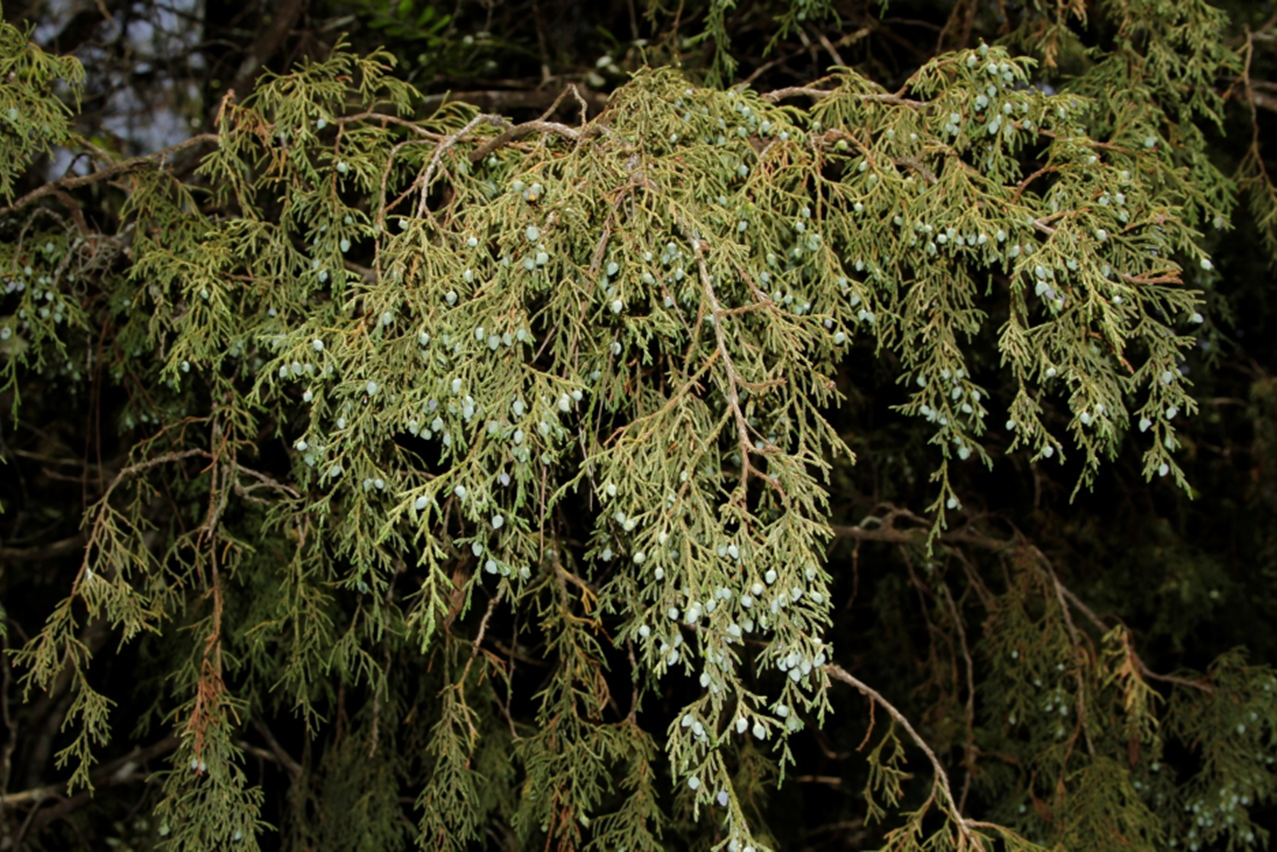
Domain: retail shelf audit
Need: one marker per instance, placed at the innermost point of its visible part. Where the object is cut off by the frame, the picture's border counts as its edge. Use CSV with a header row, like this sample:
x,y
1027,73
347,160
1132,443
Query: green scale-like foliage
x,y
582,373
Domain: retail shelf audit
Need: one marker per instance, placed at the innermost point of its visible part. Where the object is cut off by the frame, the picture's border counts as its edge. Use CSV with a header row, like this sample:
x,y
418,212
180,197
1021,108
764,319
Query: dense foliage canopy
x,y
771,434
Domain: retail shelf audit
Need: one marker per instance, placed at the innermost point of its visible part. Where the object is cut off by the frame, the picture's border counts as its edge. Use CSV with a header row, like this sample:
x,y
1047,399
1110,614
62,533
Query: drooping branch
x,y
966,827
968,712
1091,616
285,759
127,473
883,528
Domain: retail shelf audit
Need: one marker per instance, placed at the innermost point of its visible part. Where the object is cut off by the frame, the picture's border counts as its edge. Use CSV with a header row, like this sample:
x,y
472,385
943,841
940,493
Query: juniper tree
x,y
500,463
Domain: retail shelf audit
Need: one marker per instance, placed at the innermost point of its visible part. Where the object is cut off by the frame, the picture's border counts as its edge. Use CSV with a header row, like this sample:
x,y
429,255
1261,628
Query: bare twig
x,y
829,47
812,92
828,780
384,118
423,182
796,92
271,36
502,100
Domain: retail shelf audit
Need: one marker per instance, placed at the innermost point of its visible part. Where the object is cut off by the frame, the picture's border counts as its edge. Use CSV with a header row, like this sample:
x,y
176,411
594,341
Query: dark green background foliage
x,y
615,426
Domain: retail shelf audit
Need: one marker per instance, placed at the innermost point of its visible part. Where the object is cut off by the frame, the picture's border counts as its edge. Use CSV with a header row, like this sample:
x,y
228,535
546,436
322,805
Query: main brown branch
x,y
58,187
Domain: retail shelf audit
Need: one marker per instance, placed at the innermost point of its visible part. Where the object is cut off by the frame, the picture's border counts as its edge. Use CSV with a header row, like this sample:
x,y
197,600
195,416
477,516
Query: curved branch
x,y
518,131
1091,616
123,770
882,528
941,781
122,167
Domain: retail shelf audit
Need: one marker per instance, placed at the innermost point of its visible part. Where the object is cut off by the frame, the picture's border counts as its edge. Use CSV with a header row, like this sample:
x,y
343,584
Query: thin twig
x,y
1091,616
882,528
384,118
829,47
717,314
423,182
812,92
120,477
1077,646
968,712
